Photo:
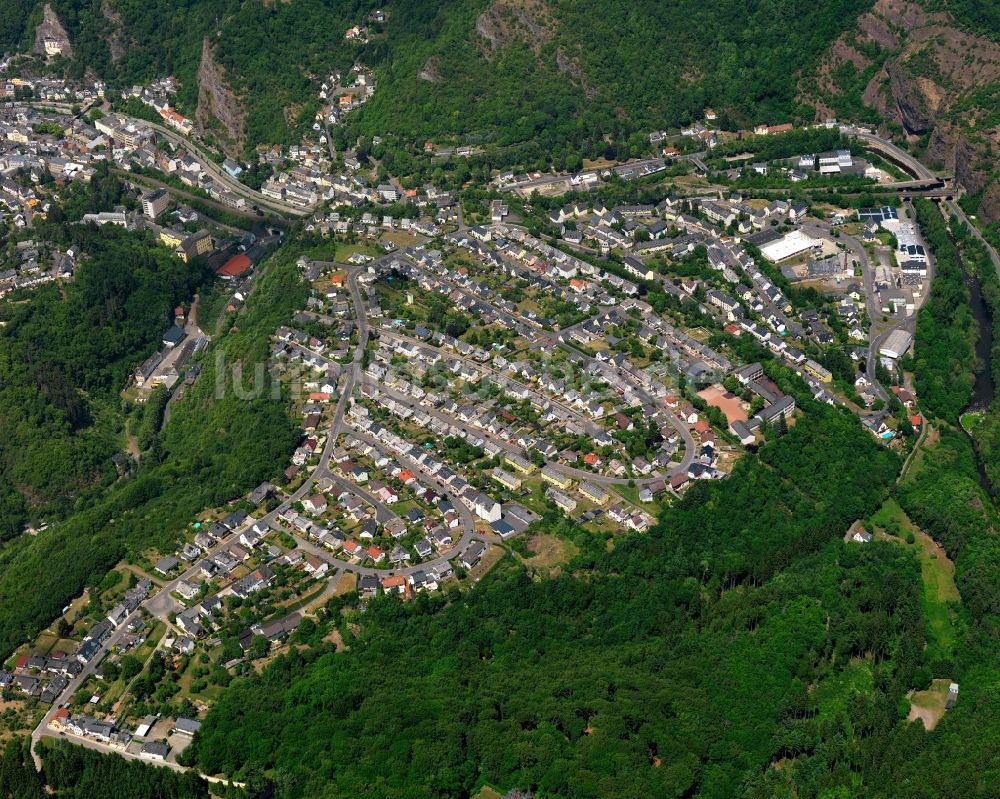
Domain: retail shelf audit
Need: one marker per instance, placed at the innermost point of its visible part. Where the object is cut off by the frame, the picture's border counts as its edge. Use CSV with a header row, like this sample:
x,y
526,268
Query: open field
x,y
344,251
928,706
729,404
937,576
548,551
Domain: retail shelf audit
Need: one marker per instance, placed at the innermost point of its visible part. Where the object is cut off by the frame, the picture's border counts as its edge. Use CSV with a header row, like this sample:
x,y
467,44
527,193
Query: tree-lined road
x,y
220,175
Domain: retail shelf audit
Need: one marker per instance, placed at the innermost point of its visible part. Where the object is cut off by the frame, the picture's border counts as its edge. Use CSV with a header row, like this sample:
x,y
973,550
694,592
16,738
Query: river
x,y
983,389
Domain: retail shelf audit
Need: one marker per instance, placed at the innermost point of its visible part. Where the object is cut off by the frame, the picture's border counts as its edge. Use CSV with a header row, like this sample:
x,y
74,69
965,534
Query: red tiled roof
x,y
236,265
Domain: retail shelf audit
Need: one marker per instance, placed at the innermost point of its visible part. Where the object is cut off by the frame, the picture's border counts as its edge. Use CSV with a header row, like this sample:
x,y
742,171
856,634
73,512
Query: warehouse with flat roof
x,y
896,344
795,243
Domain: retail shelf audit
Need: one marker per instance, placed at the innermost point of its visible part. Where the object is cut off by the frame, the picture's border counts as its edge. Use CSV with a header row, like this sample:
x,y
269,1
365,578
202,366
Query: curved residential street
x,y
162,604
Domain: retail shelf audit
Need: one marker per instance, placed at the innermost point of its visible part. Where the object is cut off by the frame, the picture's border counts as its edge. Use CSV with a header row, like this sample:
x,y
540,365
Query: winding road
x,y
220,175
162,604
956,210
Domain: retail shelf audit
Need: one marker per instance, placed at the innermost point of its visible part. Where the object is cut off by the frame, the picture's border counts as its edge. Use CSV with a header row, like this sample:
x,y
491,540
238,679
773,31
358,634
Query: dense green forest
x,y
214,448
946,331
739,633
551,76
18,778
73,772
13,22
944,494
572,72
985,426
65,353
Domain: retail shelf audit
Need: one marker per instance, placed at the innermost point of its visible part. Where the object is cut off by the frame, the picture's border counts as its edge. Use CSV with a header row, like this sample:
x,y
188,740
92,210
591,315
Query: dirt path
x,y
928,706
191,328
132,447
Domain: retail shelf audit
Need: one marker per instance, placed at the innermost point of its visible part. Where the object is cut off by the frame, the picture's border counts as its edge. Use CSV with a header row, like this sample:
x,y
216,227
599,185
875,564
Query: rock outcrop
x,y
218,105
933,82
50,35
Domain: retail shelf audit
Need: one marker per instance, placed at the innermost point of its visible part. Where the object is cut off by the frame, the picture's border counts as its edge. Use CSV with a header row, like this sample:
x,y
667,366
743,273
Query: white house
x,y
315,504
488,508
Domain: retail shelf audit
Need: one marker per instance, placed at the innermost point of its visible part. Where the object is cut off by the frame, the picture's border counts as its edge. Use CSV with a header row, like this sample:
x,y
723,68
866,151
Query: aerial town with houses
x,y
459,374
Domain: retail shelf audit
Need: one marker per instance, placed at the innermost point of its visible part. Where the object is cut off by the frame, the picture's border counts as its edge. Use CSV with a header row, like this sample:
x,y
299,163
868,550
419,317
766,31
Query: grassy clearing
x,y
928,706
940,594
346,583
631,493
970,420
345,251
400,238
549,551
598,163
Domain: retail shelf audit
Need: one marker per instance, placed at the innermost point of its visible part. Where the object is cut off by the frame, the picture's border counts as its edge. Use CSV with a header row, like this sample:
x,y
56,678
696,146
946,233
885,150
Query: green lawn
x,y
937,574
971,419
345,251
631,493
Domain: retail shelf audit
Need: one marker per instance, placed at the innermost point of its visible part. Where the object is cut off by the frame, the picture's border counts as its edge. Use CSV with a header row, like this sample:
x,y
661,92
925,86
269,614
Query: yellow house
x,y
594,493
171,237
556,478
520,464
817,371
196,244
511,481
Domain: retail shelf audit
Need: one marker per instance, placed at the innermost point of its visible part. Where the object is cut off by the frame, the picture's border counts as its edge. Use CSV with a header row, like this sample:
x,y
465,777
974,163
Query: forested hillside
x,y
952,498
497,71
741,632
73,772
214,449
927,71
562,73
65,353
946,331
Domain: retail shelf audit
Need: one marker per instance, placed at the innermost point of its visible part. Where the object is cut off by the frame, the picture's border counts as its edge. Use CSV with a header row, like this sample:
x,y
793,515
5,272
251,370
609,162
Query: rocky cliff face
x,y
910,103
937,81
989,207
219,110
51,36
